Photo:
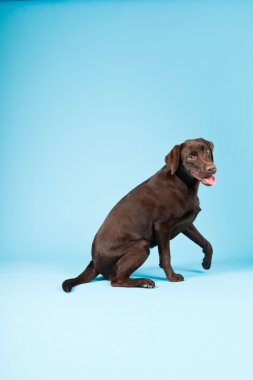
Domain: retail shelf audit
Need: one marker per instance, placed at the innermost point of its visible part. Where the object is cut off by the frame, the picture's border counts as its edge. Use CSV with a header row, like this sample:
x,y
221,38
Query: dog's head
x,y
196,158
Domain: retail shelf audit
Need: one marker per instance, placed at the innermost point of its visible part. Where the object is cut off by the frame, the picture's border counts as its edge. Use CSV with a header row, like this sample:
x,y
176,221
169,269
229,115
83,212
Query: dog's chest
x,y
191,208
180,212
193,205
188,217
186,204
185,219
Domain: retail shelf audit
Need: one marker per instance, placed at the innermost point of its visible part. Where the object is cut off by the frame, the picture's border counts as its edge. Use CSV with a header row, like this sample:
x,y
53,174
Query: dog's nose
x,y
211,169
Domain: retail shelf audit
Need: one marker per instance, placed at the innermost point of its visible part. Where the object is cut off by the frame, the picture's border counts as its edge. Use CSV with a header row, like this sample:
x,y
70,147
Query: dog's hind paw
x,y
146,283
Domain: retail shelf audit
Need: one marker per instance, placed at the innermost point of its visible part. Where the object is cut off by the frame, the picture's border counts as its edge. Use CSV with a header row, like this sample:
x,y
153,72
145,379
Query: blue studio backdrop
x,y
93,95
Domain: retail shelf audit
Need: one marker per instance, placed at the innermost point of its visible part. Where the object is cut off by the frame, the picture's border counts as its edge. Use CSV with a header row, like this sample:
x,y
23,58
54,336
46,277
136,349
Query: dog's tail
x,y
87,275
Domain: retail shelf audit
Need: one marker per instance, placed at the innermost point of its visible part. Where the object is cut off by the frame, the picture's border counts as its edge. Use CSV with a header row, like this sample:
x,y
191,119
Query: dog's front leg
x,y
192,233
163,230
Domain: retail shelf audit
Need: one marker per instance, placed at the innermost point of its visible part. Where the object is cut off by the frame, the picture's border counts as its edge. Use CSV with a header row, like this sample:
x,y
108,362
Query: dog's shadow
x,y
222,267
157,273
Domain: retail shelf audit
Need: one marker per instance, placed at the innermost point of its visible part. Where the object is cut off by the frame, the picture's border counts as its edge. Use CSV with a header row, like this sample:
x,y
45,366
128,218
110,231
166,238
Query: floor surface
x,y
200,328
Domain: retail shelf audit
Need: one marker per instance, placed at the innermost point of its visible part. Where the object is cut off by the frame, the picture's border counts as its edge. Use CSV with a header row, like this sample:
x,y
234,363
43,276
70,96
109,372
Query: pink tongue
x,y
209,181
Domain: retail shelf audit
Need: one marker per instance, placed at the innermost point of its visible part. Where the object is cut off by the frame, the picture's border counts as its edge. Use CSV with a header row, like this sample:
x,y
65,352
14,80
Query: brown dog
x,y
152,214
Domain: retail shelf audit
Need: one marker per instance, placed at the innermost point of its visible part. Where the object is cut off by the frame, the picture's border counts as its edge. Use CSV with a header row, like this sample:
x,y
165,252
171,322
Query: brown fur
x,y
151,215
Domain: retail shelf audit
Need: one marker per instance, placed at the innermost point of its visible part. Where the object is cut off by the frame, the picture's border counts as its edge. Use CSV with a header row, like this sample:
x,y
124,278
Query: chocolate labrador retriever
x,y
151,215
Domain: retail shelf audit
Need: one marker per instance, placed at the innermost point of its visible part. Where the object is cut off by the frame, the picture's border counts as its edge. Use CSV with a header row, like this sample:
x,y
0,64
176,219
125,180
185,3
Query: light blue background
x,y
93,96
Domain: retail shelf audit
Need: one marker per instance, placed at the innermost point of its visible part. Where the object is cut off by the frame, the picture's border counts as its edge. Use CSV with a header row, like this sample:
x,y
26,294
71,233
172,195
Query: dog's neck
x,y
190,181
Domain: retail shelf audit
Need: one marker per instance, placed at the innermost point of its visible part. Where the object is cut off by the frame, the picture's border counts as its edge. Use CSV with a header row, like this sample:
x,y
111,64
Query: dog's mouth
x,y
208,181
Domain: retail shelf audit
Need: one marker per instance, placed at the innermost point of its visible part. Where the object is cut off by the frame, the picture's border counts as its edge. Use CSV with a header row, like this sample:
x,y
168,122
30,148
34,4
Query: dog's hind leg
x,y
127,264
87,275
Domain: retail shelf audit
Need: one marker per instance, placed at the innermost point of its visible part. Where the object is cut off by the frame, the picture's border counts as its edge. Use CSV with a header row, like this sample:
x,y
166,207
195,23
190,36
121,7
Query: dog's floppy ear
x,y
173,158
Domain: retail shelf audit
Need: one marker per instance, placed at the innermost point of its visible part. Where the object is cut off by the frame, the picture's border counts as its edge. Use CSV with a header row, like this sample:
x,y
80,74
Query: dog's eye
x,y
191,156
207,151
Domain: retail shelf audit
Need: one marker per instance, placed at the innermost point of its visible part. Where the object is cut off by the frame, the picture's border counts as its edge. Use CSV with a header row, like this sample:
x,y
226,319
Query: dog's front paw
x,y
66,286
207,261
175,277
206,264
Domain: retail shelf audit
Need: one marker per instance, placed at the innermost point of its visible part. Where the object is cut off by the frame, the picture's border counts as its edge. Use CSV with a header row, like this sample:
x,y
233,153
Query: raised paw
x,y
206,263
146,283
66,286
176,277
